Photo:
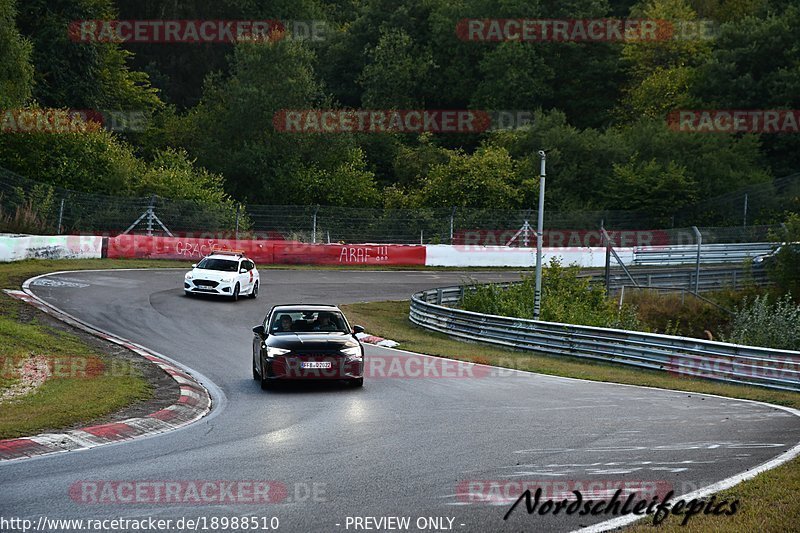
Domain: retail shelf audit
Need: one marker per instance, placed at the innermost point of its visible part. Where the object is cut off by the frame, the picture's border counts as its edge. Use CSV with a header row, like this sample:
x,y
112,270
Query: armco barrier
x,y
20,247
709,253
764,367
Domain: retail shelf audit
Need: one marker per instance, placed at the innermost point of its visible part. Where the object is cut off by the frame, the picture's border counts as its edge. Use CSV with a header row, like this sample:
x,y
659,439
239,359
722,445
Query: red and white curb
x,y
193,404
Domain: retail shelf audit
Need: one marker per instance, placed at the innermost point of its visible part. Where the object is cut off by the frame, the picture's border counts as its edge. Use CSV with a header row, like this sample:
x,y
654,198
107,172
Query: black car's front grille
x,y
206,283
314,353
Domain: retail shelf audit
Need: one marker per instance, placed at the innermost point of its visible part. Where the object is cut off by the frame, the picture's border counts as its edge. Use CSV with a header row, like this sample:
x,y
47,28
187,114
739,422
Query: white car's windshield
x,y
223,265
298,321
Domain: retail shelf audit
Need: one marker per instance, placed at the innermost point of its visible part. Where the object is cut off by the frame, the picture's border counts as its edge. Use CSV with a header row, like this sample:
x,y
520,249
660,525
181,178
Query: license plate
x,y
315,364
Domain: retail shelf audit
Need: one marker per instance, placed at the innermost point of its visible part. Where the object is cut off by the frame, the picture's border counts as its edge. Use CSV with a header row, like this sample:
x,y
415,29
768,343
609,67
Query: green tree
x,y
659,189
232,130
754,66
394,73
660,70
76,74
487,178
784,268
16,71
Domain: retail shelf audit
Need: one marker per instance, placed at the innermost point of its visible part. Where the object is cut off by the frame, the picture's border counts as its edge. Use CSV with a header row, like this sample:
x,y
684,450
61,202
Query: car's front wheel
x,y
358,382
235,295
254,292
256,375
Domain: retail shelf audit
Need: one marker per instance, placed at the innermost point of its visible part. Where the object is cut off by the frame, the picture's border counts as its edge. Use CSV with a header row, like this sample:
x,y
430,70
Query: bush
x,y
771,325
674,314
566,298
784,268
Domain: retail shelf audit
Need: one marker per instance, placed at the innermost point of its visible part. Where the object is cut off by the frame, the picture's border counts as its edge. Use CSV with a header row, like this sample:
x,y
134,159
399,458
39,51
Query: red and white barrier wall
x,y
20,247
476,256
267,252
16,248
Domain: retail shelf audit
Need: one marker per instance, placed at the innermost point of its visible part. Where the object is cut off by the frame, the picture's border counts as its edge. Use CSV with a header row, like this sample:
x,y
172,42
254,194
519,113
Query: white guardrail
x,y
732,363
709,253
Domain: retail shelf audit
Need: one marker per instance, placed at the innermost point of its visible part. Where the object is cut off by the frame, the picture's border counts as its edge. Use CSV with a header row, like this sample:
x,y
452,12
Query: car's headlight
x,y
228,280
275,352
353,354
188,275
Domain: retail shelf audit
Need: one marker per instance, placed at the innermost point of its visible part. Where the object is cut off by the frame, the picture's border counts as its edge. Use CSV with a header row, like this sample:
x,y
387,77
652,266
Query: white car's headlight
x,y
353,354
228,279
188,275
275,352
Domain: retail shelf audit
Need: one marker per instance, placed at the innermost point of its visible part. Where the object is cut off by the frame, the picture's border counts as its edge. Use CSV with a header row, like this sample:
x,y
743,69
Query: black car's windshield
x,y
299,321
223,265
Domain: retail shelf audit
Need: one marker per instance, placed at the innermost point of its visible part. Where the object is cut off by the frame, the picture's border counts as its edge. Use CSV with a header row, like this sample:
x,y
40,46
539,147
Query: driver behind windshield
x,y
324,322
285,323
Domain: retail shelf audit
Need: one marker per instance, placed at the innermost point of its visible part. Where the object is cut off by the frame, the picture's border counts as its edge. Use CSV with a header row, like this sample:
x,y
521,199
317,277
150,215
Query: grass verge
x,y
84,383
768,502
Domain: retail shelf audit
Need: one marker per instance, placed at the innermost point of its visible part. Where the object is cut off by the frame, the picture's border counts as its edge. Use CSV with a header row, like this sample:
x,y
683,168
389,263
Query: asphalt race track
x,y
398,447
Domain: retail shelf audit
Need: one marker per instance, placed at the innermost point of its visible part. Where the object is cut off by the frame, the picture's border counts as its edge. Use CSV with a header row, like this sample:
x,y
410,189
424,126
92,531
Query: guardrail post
x,y
438,296
697,262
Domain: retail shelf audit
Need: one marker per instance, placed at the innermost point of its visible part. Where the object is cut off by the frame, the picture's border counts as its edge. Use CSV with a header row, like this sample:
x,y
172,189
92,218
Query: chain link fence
x,y
31,207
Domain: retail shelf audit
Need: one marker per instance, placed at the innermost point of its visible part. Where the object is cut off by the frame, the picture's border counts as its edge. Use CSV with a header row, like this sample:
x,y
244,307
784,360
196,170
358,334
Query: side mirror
x,y
358,329
259,330
194,265
242,270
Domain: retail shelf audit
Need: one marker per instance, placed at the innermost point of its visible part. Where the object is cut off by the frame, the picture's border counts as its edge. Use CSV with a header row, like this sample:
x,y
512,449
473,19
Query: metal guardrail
x,y
711,278
709,253
747,365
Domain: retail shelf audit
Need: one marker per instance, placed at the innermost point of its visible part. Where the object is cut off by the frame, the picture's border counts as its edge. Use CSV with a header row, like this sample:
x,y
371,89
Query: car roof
x,y
232,257
304,307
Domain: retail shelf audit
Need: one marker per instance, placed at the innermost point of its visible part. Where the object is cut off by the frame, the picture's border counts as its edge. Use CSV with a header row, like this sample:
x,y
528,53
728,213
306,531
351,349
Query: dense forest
x,y
209,109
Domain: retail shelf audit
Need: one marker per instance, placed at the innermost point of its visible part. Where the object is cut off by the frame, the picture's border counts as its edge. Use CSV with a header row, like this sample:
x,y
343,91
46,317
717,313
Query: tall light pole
x,y
537,297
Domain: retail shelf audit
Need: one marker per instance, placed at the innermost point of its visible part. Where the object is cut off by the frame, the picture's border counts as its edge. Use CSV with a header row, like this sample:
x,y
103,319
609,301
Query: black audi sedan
x,y
302,341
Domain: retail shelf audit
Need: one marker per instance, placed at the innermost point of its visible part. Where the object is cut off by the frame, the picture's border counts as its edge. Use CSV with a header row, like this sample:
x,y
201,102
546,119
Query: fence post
x,y
697,262
608,259
452,220
744,220
237,221
314,226
60,216
150,216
